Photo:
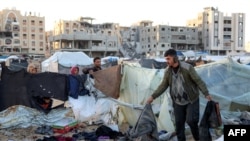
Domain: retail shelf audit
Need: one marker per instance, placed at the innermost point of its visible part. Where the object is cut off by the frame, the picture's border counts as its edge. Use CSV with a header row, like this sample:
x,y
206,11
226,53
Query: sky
x,y
127,12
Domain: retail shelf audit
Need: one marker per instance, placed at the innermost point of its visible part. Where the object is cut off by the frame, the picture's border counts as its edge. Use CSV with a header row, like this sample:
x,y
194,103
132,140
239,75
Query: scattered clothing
x,y
44,130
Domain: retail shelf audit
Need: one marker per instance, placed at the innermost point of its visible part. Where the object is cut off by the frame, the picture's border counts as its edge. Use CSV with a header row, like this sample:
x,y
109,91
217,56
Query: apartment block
x,y
82,35
21,33
219,33
248,47
155,40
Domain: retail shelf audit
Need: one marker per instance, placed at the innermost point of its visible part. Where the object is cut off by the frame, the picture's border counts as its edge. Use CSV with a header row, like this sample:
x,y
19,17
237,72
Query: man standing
x,y
184,84
97,66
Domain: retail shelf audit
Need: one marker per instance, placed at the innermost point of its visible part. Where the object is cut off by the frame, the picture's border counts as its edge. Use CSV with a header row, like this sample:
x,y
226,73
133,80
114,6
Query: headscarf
x,y
73,69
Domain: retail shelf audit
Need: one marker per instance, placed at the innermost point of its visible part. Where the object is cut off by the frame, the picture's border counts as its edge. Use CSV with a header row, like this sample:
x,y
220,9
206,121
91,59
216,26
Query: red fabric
x,y
73,69
60,138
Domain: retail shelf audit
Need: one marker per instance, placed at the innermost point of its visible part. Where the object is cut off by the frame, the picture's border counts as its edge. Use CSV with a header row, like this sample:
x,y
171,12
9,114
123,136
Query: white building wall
x,y
238,25
215,33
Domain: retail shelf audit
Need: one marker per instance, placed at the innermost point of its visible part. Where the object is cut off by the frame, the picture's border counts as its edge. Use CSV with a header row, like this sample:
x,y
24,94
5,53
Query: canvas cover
x,y
62,62
108,81
137,85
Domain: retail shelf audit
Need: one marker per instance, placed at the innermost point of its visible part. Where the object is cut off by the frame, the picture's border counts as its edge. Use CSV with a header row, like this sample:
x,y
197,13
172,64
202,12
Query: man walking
x,y
184,84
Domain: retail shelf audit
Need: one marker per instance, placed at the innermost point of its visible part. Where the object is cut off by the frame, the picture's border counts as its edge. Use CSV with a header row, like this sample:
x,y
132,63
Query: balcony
x,y
178,41
112,49
98,48
103,48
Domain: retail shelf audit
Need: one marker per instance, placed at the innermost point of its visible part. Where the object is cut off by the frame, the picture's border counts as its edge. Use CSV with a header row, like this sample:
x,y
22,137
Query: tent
x,y
22,88
158,63
5,58
227,81
20,92
189,53
61,62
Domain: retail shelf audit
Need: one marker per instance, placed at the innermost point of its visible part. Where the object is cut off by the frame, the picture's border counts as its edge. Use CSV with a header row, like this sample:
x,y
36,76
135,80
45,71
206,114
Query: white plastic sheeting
x,y
66,59
9,57
189,53
85,108
88,108
228,83
21,117
136,86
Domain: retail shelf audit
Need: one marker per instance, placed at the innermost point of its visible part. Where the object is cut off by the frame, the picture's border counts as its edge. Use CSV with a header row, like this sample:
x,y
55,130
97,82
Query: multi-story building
x,y
49,45
21,33
156,40
220,34
248,47
81,35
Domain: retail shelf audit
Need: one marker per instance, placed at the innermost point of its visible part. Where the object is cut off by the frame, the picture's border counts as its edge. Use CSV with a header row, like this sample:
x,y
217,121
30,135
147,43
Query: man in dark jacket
x,y
97,66
184,84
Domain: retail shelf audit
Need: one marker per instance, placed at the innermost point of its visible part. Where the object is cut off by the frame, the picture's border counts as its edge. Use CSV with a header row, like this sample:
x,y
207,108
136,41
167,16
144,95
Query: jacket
x,y
193,82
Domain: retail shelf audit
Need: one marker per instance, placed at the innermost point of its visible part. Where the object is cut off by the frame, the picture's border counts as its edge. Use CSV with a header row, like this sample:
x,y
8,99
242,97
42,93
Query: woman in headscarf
x,y
77,81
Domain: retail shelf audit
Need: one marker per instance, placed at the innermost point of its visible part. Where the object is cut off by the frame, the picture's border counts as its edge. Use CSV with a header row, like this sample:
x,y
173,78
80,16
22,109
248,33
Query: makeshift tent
x,y
136,86
21,88
228,82
108,81
6,58
189,53
14,62
153,63
61,62
109,59
18,64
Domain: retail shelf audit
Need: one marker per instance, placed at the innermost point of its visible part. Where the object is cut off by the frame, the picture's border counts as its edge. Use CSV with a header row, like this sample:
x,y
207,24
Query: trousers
x,y
189,114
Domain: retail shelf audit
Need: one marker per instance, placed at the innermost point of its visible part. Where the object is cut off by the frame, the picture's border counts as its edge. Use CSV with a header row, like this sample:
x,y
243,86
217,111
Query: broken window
x,y
16,41
40,23
41,44
15,28
32,36
33,43
32,22
41,37
8,41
